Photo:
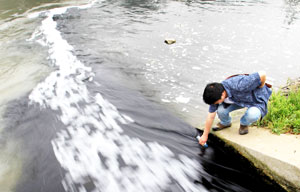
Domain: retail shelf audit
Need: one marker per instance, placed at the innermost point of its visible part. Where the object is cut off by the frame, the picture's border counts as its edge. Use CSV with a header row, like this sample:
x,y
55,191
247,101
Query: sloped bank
x,y
274,155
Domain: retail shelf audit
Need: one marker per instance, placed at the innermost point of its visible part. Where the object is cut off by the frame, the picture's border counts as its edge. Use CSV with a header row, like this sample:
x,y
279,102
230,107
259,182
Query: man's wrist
x,y
205,133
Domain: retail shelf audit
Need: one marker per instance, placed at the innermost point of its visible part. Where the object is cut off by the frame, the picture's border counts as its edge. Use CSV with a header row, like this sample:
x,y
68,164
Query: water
x,y
93,100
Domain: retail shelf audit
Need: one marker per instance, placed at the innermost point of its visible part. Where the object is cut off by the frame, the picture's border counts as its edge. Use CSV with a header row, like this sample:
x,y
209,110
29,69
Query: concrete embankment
x,y
278,156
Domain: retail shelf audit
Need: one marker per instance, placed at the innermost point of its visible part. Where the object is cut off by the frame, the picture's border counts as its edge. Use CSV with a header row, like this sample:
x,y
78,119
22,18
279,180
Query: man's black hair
x,y
213,92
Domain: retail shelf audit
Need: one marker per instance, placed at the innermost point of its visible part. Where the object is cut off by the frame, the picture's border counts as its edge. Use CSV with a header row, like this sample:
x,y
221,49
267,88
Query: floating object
x,y
205,144
170,41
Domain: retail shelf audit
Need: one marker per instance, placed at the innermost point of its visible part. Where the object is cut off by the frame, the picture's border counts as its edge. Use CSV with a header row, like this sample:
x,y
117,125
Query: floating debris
x,y
170,41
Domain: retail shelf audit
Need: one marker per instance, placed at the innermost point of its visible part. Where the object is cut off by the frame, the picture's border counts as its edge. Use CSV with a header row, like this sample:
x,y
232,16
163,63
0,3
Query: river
x,y
92,99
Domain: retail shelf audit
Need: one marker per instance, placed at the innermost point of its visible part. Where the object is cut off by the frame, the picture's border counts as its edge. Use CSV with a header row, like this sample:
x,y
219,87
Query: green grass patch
x,y
283,113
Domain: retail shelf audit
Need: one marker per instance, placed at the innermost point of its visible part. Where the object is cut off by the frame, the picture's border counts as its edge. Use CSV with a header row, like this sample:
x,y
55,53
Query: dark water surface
x,y
105,105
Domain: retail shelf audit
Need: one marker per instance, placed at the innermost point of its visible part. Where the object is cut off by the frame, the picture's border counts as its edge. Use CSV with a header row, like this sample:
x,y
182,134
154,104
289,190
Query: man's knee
x,y
253,114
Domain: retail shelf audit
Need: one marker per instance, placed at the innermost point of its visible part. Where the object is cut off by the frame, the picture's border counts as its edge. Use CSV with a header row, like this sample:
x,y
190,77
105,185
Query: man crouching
x,y
236,92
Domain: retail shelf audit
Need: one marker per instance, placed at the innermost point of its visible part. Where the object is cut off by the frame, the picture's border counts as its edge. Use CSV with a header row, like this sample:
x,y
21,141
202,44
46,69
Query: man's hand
x,y
263,78
203,139
209,121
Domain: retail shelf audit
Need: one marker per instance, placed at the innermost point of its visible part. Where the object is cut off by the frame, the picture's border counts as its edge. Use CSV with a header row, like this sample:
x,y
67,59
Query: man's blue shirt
x,y
244,91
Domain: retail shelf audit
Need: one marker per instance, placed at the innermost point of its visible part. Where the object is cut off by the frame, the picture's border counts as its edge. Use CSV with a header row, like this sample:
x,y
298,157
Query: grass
x,y
283,113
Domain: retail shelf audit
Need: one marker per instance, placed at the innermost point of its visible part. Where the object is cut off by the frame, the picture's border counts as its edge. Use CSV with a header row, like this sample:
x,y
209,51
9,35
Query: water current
x,y
92,99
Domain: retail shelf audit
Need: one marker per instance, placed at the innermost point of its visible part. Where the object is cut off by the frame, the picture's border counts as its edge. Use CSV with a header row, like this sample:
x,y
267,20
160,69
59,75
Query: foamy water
x,y
93,147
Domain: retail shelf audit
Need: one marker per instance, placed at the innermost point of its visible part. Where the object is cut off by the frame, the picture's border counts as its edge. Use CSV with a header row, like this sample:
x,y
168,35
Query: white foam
x,y
93,131
196,68
182,99
61,10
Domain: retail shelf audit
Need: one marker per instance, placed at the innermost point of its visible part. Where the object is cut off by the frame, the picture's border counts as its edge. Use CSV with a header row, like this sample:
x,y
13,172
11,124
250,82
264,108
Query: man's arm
x,y
208,123
263,77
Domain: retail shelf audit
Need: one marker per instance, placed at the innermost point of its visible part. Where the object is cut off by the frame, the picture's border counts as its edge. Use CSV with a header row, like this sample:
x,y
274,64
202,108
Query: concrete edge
x,y
268,165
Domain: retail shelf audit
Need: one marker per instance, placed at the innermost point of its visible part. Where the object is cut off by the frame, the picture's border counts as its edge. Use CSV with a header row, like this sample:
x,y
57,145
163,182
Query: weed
x,y
283,113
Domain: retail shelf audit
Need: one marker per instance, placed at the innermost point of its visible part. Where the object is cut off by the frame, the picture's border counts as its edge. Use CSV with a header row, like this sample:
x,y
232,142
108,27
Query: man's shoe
x,y
243,130
220,127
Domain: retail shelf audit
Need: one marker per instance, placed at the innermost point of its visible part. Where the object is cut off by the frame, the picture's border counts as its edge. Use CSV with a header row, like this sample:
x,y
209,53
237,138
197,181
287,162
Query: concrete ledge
x,y
278,156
